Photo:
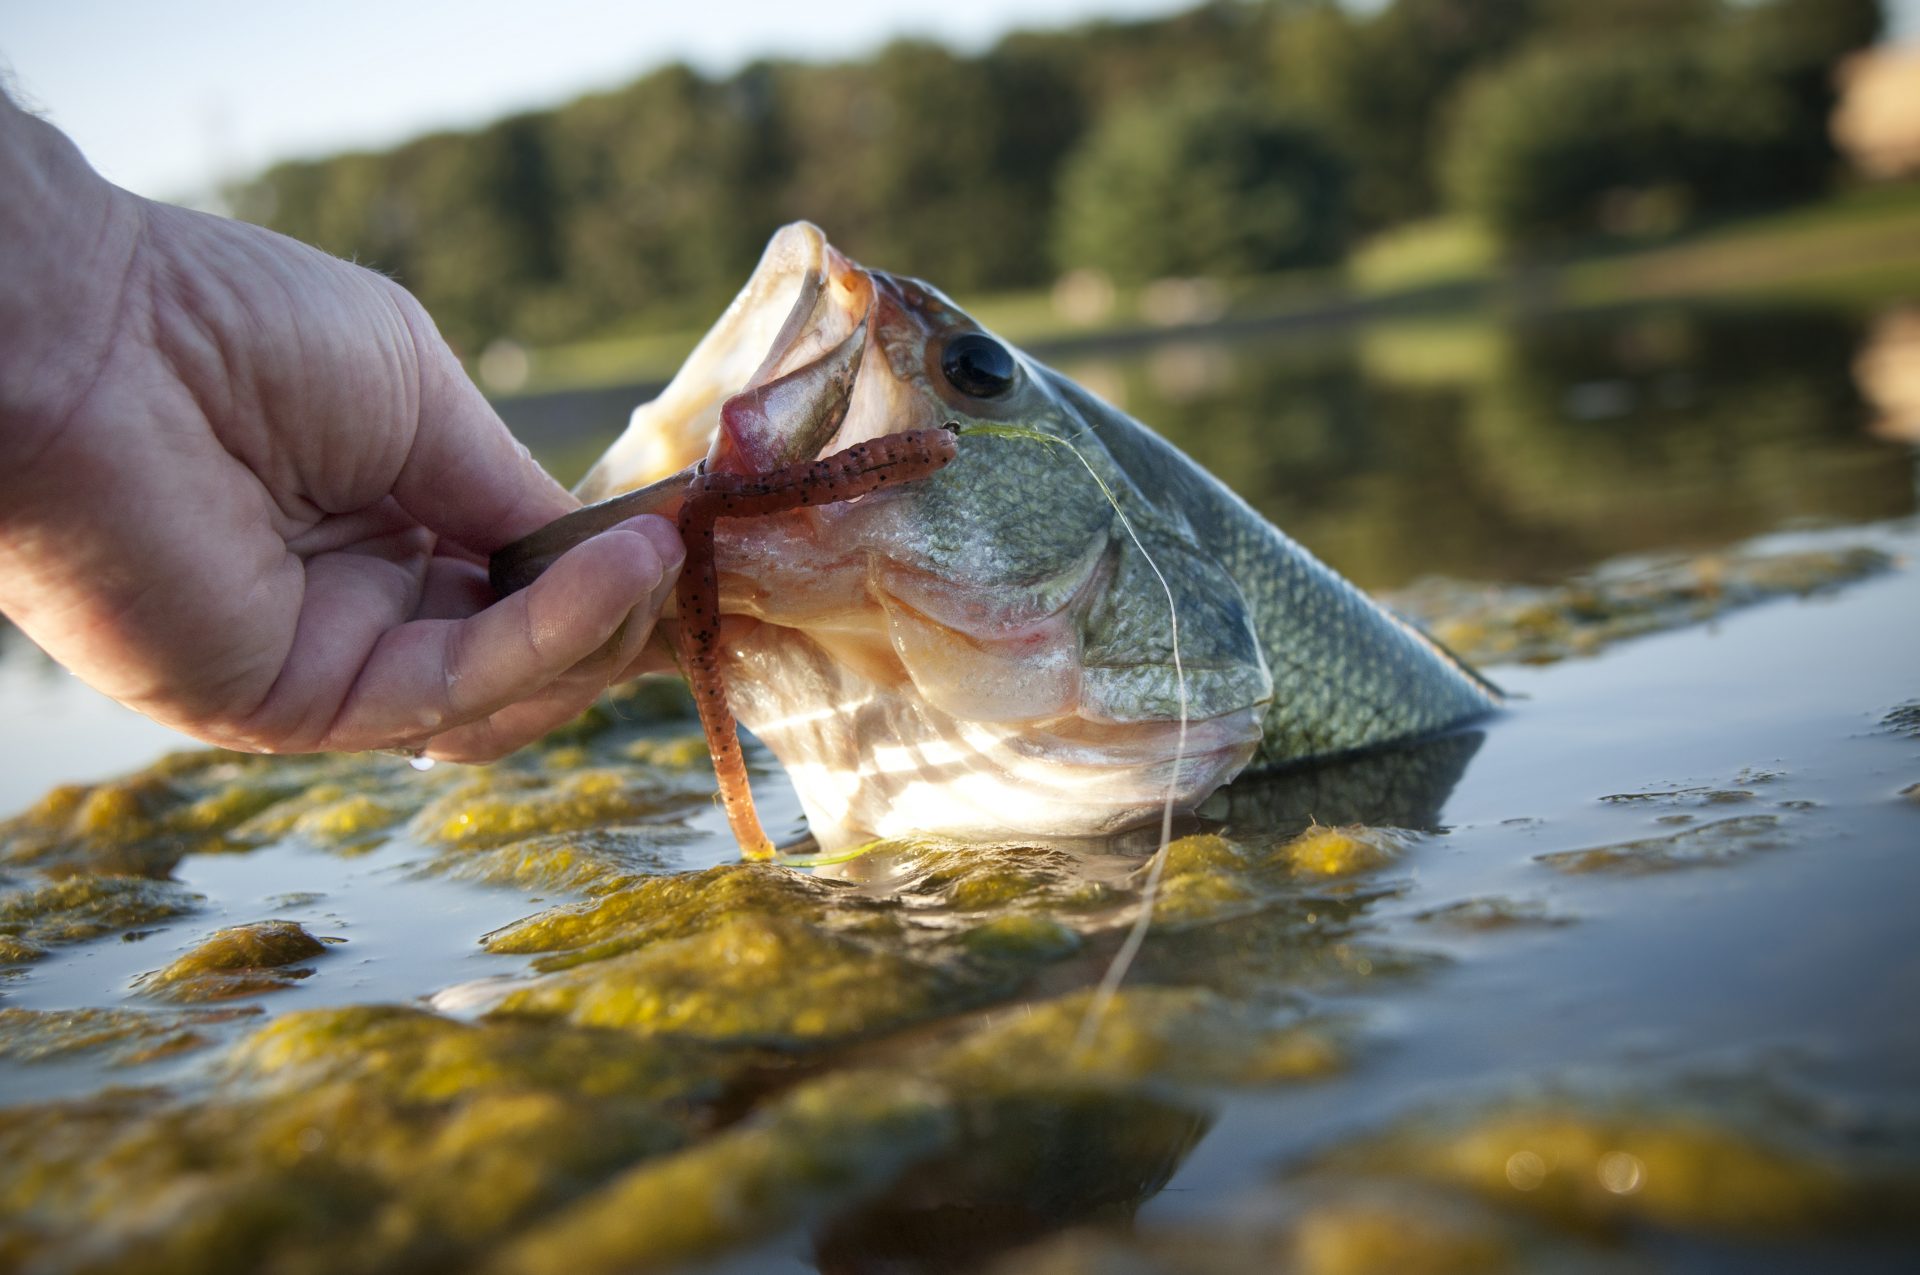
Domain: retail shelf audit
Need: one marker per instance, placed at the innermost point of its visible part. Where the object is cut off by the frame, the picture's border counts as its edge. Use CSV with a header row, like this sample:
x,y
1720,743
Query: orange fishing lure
x,y
856,471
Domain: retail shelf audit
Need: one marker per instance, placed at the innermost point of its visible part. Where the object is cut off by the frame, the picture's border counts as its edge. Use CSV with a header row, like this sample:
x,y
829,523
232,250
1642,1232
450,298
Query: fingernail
x,y
664,537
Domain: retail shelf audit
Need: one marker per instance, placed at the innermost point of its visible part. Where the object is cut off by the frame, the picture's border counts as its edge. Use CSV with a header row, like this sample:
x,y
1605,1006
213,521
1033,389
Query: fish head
x,y
1027,642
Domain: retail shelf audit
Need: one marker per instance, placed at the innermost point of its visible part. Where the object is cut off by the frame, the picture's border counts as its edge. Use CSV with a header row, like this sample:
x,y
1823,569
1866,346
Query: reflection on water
x,y
1480,450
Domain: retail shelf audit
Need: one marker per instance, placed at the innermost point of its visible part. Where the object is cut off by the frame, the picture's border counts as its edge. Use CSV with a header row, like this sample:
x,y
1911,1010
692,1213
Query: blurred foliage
x,y
1241,136
1201,184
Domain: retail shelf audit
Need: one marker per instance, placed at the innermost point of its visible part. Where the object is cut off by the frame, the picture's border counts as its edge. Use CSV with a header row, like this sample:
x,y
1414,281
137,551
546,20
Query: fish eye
x,y
977,365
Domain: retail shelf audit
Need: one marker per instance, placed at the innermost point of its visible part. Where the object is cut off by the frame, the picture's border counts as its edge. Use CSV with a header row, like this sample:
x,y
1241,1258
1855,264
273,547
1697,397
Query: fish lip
x,y
801,300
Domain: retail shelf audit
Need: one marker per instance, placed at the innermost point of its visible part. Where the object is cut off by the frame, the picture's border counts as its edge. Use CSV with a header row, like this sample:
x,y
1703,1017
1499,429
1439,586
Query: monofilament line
x,y
1149,895
1123,959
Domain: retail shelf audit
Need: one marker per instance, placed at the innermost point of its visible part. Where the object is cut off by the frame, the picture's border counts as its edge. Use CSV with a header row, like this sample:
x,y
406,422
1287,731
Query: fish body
x,y
1043,637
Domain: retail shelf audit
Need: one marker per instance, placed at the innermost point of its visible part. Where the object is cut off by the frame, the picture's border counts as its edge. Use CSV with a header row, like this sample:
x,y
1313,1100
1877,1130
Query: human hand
x,y
246,489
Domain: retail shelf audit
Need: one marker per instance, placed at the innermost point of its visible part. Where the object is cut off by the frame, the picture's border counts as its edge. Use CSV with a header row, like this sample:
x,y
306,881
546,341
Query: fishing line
x,y
1122,961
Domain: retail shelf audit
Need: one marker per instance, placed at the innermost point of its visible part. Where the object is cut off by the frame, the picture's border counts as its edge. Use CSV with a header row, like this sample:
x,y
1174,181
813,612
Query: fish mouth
x,y
770,382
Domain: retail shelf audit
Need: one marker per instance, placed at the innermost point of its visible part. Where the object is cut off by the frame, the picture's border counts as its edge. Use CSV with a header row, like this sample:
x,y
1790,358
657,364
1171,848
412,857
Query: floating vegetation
x,y
76,909
243,960
1493,913
1499,624
1595,1167
1722,841
120,1037
1567,1183
1903,720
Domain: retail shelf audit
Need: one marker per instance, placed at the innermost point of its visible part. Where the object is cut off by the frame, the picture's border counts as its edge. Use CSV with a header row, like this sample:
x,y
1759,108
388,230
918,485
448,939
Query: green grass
x,y
1421,254
1860,247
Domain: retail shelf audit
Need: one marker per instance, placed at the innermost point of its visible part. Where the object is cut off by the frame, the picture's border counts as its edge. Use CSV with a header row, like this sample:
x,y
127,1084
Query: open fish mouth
x,y
770,382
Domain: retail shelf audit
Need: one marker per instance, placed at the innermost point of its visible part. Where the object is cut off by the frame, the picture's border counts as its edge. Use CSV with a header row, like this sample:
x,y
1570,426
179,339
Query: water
x,y
1766,986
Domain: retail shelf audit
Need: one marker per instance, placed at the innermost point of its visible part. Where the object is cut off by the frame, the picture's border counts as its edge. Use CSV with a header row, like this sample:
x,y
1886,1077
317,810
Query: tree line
x,y
1243,136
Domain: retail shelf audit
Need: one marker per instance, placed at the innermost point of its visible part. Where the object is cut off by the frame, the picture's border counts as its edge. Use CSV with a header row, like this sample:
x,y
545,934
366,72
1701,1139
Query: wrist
x,y
68,243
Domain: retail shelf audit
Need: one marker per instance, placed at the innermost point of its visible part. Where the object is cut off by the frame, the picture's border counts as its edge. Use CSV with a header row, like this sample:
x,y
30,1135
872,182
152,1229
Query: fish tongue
x,y
792,417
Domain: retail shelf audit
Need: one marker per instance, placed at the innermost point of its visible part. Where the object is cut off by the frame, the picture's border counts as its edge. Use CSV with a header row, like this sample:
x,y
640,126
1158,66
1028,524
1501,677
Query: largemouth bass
x,y
990,651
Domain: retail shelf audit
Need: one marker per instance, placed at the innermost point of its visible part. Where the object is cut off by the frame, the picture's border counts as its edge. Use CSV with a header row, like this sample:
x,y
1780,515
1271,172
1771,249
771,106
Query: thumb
x,y
466,477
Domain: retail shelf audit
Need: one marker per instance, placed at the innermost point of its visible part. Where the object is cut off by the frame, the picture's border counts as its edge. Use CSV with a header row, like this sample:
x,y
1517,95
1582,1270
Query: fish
x,y
1053,629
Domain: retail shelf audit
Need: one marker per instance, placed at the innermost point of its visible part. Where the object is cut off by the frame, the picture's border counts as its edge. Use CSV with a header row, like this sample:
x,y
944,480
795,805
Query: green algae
x,y
1903,720
825,1145
680,752
1021,938
187,803
748,978
1540,1183
325,1178
504,807
656,1095
655,909
1184,1035
1721,842
1491,914
370,1138
594,861
121,1037
80,908
1341,852
242,960
1593,1167
1495,624
933,872
415,1056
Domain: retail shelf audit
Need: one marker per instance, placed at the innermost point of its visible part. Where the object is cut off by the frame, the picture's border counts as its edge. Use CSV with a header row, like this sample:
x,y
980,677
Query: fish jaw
x,y
870,757
801,306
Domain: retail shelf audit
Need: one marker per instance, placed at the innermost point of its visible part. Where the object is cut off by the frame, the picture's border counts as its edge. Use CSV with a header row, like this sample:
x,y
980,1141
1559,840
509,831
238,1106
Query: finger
x,y
428,677
465,475
661,653
455,589
566,698
518,725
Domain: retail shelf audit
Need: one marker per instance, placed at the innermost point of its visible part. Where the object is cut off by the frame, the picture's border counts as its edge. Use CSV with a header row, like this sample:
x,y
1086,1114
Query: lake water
x,y
1636,980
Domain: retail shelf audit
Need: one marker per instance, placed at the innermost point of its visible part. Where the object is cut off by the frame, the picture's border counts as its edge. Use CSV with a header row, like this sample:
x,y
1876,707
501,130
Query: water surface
x,y
1626,973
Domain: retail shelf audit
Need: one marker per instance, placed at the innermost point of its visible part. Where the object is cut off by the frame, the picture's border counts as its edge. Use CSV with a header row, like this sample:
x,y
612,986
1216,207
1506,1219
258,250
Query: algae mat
x,y
1626,975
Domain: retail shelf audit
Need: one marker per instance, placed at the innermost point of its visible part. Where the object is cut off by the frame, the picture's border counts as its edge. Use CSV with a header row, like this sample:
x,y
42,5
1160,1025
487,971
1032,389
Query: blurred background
x,y
1487,289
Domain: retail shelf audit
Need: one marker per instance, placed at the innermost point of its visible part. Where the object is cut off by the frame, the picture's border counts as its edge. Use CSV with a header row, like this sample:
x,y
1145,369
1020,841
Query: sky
x,y
171,99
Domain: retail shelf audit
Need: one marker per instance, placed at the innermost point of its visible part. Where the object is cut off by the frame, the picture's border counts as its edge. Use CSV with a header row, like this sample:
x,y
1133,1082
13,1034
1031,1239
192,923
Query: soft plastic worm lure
x,y
862,468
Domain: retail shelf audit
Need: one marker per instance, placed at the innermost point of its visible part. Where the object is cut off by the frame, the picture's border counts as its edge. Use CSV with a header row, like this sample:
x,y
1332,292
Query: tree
x,y
1571,141
1209,182
1377,86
